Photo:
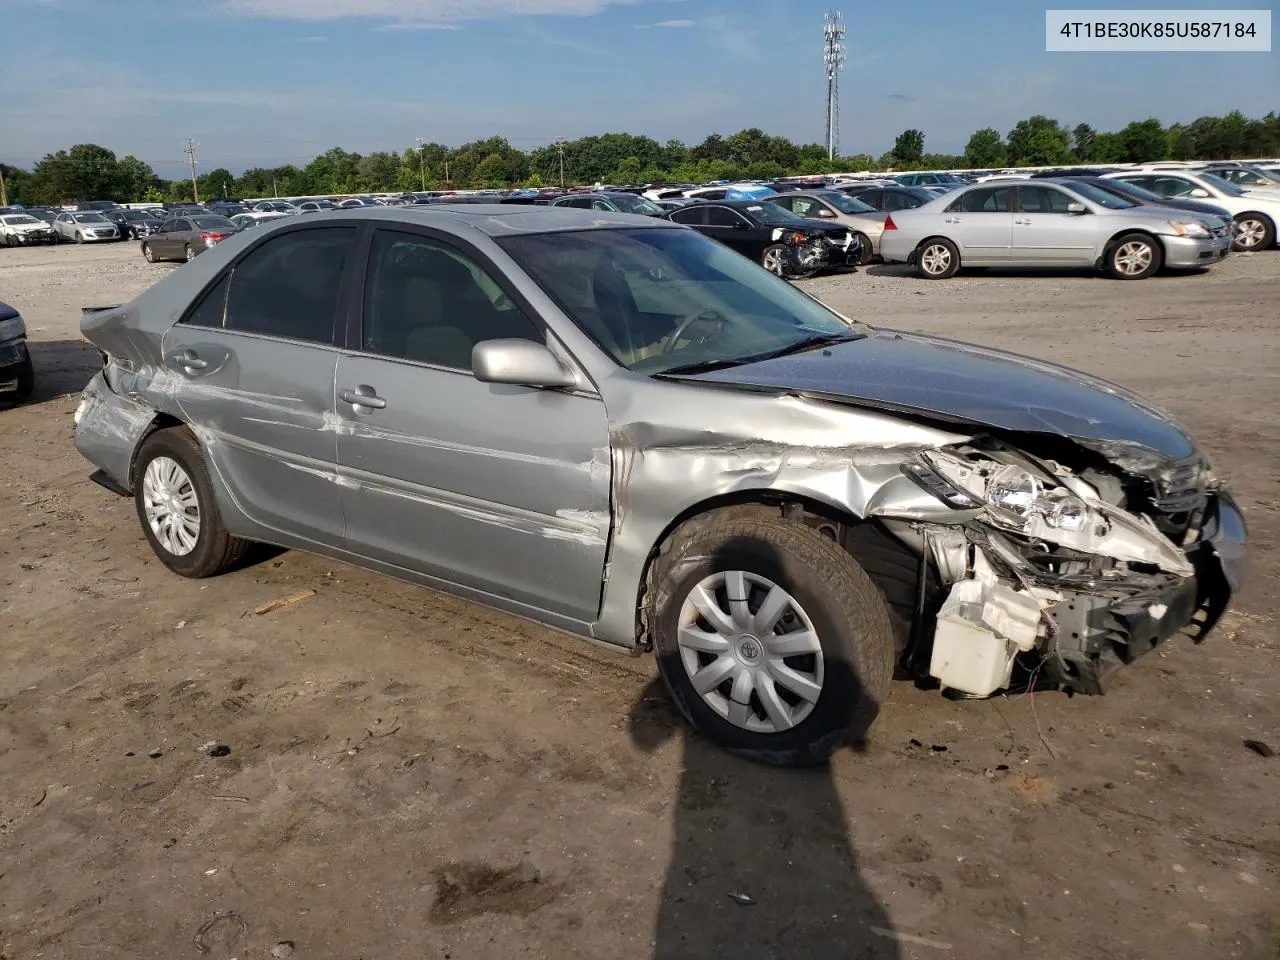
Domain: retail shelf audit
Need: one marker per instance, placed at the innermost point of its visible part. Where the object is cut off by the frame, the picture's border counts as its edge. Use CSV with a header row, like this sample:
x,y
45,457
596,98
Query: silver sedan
x,y
1049,223
616,426
84,228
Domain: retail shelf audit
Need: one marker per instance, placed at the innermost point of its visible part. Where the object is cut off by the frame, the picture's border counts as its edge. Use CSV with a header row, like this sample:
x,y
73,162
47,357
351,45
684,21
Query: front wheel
x,y
771,639
175,504
774,259
864,249
1253,232
938,259
79,237
26,381
148,253
1134,256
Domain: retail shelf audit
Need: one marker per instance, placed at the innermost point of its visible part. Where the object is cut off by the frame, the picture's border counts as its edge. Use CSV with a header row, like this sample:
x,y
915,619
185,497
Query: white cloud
x,y
676,24
405,25
414,11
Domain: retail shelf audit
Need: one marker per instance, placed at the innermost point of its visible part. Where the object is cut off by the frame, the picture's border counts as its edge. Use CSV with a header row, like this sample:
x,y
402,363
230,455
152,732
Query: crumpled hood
x,y
966,382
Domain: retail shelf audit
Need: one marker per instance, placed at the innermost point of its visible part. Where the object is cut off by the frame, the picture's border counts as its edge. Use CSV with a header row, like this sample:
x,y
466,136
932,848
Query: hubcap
x,y
191,254
750,651
935,259
1249,233
171,506
1133,257
773,261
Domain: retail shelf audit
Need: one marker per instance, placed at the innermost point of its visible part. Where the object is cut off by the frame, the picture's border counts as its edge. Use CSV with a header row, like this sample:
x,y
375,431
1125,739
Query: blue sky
x,y
261,82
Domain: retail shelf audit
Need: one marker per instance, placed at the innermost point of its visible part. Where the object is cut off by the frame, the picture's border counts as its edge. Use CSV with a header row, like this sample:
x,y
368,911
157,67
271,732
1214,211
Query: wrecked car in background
x,y
618,427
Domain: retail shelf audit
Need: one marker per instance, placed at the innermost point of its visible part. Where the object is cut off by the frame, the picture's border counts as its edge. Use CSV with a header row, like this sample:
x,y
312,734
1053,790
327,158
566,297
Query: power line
x,y
833,57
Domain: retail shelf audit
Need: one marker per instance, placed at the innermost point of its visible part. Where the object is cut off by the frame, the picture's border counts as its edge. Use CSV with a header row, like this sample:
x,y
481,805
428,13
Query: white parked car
x,y
22,229
84,228
1255,213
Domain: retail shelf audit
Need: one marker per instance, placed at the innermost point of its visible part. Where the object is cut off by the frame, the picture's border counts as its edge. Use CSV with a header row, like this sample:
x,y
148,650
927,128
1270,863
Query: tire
x,y
79,237
937,259
214,550
148,253
26,381
1134,256
1258,230
189,253
774,259
864,249
832,599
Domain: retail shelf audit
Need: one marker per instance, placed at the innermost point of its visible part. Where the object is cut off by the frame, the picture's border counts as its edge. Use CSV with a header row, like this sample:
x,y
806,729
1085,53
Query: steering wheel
x,y
706,316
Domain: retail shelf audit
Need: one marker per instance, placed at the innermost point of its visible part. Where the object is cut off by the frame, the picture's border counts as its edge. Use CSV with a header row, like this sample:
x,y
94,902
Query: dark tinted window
x,y
180,224
787,203
1042,200
990,200
722,217
1173,186
893,200
695,215
209,311
427,302
288,286
873,198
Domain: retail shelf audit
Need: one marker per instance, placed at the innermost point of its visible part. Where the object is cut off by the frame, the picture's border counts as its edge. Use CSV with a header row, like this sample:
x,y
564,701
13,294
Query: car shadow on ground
x,y
61,367
762,865
1028,273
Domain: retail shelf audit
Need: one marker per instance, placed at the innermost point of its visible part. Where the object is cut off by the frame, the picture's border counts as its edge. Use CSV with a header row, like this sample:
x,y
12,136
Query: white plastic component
x,y
980,629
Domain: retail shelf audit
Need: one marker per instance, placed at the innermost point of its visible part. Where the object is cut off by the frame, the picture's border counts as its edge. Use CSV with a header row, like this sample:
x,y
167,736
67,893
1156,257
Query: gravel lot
x,y
413,776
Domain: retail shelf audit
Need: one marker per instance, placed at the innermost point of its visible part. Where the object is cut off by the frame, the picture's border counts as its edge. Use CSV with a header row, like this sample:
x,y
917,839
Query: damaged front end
x,y
1067,574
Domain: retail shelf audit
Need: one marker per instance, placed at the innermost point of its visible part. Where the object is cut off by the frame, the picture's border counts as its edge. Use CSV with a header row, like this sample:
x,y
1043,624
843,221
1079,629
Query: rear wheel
x,y
175,504
190,253
1253,231
770,637
1135,256
938,259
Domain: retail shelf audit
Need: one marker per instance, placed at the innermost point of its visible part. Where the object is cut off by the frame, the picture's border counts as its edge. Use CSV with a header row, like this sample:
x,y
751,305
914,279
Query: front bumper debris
x,y
109,427
986,638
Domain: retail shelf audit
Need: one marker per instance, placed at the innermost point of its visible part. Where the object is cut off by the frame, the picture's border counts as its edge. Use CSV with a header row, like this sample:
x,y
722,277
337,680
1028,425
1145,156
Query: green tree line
x,y
90,172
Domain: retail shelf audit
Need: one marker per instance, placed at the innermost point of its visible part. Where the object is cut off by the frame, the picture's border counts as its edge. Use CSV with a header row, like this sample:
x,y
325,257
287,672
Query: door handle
x,y
1023,222
188,361
362,396
951,220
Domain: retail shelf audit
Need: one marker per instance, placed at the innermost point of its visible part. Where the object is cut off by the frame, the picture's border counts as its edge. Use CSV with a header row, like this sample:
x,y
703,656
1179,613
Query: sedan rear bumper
x,y
1187,252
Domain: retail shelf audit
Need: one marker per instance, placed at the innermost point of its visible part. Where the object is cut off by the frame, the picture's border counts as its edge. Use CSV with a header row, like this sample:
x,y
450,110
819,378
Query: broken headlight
x,y
1022,495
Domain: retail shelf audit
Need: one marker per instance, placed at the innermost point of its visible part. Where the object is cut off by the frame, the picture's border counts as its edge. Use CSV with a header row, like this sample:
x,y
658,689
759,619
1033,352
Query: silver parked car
x,y
864,220
1049,223
84,228
616,426
1255,213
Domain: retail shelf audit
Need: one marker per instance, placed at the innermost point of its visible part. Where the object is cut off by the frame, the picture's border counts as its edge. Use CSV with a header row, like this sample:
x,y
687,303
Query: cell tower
x,y
833,57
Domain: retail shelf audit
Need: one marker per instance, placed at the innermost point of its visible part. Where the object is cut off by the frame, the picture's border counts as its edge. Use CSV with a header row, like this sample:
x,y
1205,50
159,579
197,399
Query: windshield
x,y
847,204
629,203
662,299
772,214
18,220
1125,189
213,223
89,218
1101,197
1226,186
136,215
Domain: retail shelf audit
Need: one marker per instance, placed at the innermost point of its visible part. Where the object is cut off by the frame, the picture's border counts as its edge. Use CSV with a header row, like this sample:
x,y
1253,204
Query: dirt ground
x,y
412,776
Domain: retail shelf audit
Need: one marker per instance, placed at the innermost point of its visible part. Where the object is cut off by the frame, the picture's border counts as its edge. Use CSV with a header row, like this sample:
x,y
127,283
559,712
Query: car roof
x,y
497,219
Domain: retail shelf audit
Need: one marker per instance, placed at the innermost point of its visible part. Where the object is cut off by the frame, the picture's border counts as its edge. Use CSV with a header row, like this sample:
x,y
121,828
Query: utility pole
x,y
191,154
4,197
833,57
422,162
560,150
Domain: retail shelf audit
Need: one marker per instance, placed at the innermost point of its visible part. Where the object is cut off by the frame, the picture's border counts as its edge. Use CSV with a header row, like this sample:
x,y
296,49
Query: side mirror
x,y
520,362
1199,193
741,225
825,213
1077,208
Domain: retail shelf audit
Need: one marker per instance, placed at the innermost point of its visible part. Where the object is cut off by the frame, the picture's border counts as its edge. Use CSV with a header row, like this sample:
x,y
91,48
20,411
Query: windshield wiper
x,y
800,346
